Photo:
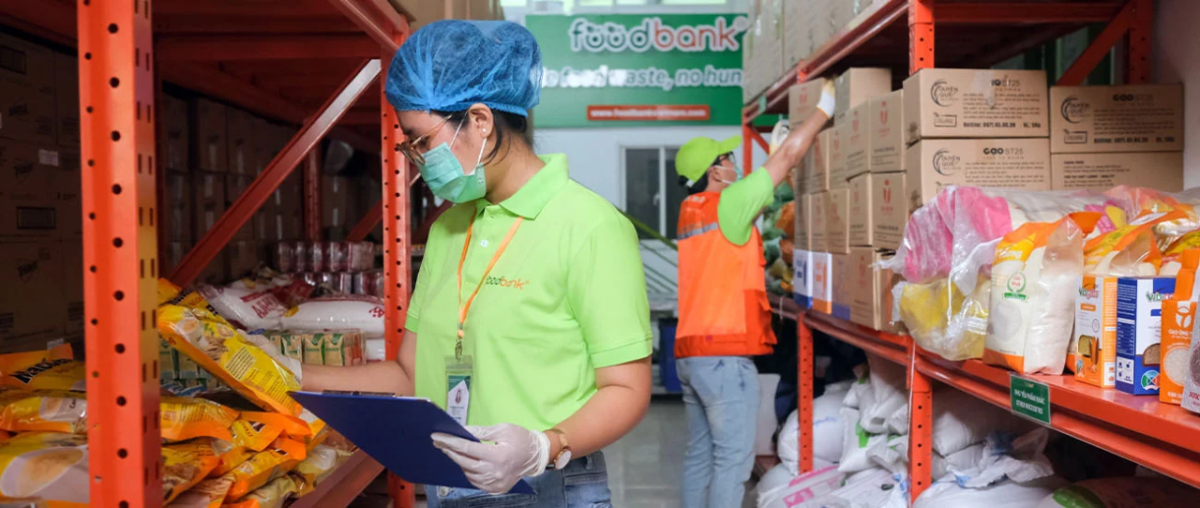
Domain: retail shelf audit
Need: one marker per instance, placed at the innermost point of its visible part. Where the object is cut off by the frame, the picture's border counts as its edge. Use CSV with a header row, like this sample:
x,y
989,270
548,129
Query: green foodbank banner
x,y
621,70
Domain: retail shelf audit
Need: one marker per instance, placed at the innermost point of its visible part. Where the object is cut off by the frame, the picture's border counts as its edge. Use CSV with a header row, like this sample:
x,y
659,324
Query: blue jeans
x,y
721,397
582,484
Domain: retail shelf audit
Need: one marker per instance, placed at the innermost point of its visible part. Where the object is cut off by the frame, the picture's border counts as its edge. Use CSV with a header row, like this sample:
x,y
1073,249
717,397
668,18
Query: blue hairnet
x,y
451,64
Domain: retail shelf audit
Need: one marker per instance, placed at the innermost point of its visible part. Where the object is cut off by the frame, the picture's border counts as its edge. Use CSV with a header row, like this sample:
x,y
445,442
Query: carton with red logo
x,y
804,222
837,221
871,289
886,132
818,235
816,163
975,103
889,209
1130,118
862,231
1016,163
857,140
839,135
803,99
860,84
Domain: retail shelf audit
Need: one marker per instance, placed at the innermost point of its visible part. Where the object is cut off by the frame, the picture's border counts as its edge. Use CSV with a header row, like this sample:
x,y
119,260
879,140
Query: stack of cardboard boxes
x,y
1104,136
41,260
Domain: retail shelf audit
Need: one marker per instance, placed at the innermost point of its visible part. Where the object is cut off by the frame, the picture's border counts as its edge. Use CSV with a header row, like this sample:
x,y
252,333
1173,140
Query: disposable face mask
x,y
736,171
446,178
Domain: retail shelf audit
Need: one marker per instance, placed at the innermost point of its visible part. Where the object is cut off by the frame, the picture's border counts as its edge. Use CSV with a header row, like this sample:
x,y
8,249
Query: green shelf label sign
x,y
1030,398
620,70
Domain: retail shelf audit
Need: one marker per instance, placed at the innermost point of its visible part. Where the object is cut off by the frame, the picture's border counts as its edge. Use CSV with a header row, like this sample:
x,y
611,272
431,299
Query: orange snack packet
x,y
188,418
265,466
1178,318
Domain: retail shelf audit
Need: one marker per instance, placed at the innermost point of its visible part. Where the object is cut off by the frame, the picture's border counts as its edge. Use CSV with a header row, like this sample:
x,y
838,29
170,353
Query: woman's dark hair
x,y
700,185
507,124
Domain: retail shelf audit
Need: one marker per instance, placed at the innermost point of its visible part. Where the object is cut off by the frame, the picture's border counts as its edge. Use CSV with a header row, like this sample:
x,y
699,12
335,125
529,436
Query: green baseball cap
x,y
697,155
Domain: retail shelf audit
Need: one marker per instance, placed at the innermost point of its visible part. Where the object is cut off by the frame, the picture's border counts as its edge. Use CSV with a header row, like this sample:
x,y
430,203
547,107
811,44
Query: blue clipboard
x,y
396,432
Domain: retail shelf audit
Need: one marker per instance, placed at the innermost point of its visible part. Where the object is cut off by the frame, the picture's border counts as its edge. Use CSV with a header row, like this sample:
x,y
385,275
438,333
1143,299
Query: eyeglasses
x,y
408,147
724,157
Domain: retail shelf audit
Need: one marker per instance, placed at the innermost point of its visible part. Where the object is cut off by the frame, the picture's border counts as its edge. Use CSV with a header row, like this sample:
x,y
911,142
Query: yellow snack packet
x,y
53,369
186,464
43,411
219,348
229,456
255,435
182,419
271,495
320,463
293,426
49,465
265,466
209,493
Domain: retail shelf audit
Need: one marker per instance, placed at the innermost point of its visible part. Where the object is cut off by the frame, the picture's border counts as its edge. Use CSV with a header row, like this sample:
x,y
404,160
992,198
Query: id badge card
x,y
458,388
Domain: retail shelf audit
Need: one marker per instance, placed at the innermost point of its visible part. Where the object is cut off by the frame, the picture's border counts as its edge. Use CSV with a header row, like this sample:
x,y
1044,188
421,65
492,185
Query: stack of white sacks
x,y
982,454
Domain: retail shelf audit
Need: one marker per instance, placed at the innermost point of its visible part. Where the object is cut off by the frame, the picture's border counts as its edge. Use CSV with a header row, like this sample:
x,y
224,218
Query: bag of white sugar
x,y
1034,282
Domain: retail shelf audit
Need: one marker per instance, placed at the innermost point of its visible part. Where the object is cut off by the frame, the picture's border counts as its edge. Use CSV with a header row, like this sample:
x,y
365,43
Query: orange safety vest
x,y
723,307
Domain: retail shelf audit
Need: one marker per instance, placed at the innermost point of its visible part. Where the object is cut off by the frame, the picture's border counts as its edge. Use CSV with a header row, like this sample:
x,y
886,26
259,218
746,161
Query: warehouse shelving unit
x,y
975,34
253,55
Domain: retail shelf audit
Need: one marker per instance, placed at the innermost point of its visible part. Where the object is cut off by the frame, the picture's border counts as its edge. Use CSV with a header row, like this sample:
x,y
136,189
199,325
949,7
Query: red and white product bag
x,y
362,312
248,309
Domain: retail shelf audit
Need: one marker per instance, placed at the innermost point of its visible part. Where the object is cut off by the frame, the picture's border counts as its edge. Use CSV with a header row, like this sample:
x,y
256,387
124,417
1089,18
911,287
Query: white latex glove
x,y
828,101
514,452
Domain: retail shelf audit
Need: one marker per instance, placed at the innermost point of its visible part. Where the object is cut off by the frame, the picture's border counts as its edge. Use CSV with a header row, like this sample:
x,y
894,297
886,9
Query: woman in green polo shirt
x,y
531,286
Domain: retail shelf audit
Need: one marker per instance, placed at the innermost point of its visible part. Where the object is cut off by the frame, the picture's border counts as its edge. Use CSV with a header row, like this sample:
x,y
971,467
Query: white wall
x,y
1176,59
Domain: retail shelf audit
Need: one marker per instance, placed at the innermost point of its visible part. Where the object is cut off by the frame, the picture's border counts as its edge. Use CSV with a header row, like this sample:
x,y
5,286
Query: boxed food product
x,y
822,283
1102,171
858,140
209,138
174,122
862,231
871,289
1095,358
802,277
816,164
838,146
68,194
804,222
860,84
1127,118
975,103
1002,163
819,239
314,353
28,177
837,221
1139,332
885,125
342,347
889,209
239,130
841,276
27,101
31,305
66,93
803,99
49,465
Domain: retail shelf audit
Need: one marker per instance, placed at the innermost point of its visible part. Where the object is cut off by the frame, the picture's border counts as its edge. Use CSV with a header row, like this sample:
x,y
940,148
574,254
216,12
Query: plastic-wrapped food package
x,y
182,419
1005,494
780,489
248,309
828,428
1124,492
336,256
1138,200
1130,249
1035,279
874,488
43,411
285,258
267,465
52,369
272,495
362,312
1171,256
960,420
888,386
943,320
209,493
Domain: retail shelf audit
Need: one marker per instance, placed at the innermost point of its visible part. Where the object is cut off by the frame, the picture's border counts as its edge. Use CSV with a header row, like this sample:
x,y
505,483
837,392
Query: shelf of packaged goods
x,y
344,485
1160,436
886,345
968,34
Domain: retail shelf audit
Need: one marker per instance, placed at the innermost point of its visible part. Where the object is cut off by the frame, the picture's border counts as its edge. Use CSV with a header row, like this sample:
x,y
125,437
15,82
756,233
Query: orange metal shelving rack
x,y
119,83
973,34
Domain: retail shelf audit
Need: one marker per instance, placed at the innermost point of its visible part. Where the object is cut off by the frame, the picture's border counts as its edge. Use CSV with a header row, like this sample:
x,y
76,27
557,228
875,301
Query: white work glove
x,y
514,452
828,102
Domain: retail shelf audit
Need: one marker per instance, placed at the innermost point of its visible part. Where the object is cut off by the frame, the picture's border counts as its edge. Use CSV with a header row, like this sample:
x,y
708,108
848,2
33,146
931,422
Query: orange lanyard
x,y
463,307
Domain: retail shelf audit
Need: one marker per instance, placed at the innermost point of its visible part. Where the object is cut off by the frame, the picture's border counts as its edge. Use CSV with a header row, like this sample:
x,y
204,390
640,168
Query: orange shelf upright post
x,y
805,379
747,147
920,35
120,244
397,250
920,443
312,194
1139,41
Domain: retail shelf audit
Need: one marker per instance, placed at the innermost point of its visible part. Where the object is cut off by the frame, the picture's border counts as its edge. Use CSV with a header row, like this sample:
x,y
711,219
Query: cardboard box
x,y
871,290
1131,118
816,164
838,145
1103,171
802,278
208,201
842,282
72,285
862,231
886,126
1139,325
66,93
857,141
889,209
179,208
972,103
335,201
27,101
1004,163
803,99
68,194
33,300
858,85
209,147
822,275
837,221
802,236
818,236
174,121
28,189
1095,359
239,129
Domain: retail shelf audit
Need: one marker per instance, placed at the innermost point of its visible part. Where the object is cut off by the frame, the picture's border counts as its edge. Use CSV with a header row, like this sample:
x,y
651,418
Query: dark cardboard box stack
x,y
40,218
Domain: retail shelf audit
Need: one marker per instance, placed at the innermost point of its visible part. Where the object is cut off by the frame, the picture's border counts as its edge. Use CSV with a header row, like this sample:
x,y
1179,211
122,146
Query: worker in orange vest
x,y
724,316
